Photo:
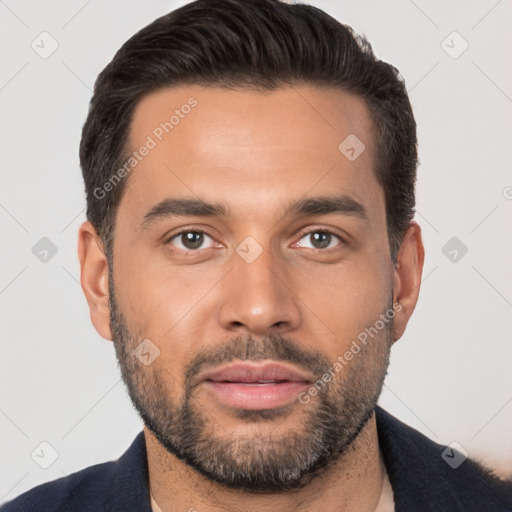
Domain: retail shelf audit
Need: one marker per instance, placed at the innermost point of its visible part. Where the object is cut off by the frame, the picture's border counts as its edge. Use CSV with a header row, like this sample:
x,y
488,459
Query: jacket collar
x,y
421,480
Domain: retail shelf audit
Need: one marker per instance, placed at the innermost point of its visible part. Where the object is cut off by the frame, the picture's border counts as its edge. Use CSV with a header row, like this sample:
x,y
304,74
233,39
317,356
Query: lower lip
x,y
256,396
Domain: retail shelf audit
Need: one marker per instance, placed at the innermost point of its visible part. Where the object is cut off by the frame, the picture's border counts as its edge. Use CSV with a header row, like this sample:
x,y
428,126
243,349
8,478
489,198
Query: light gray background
x,y
450,375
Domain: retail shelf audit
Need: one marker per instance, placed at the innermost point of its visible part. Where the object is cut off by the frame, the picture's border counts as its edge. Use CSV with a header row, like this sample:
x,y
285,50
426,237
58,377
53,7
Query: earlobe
x,y
407,277
94,278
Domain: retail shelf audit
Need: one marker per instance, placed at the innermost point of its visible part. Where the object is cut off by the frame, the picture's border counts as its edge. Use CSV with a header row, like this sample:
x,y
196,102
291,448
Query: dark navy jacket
x,y
421,479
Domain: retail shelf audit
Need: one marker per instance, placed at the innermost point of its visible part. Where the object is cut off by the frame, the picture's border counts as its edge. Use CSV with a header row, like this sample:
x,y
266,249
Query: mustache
x,y
248,348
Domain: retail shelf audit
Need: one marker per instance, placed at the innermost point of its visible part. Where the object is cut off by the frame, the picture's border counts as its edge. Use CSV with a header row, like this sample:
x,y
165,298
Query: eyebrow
x,y
321,205
182,208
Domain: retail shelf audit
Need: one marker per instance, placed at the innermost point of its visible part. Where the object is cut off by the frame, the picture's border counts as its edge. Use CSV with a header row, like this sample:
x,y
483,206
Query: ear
x,y
94,278
407,278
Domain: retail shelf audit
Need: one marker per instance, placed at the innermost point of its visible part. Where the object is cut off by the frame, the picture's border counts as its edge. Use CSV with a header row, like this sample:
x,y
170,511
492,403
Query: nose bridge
x,y
256,297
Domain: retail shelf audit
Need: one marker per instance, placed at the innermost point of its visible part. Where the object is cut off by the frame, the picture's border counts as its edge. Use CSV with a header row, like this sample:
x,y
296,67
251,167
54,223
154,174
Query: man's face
x,y
252,302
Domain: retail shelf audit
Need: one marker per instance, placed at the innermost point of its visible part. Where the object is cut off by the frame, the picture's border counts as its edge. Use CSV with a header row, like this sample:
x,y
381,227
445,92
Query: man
x,y
250,251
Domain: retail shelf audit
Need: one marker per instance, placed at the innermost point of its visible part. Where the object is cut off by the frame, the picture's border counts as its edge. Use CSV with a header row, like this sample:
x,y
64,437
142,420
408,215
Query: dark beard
x,y
267,463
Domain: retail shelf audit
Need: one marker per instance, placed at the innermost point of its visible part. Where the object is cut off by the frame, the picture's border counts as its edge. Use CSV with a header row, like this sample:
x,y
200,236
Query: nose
x,y
258,298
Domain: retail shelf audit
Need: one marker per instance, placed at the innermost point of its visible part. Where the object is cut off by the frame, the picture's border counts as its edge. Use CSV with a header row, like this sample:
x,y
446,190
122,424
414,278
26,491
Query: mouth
x,y
253,386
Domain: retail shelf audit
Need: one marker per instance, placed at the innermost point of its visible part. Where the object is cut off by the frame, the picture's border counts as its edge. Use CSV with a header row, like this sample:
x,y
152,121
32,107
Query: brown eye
x,y
319,240
191,240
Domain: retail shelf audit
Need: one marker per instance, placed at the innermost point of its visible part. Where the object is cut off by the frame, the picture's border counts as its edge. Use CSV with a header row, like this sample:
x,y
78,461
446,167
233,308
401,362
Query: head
x,y
249,171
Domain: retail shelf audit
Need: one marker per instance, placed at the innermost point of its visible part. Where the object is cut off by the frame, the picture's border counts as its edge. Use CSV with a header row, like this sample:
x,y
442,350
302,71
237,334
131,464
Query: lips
x,y
251,373
253,386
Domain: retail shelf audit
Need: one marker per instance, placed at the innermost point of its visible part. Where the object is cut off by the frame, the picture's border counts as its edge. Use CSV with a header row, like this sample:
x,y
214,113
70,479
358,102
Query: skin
x,y
254,152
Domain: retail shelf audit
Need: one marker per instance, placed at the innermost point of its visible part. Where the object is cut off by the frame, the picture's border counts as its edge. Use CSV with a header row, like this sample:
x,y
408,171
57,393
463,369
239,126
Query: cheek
x,y
165,304
347,299
151,291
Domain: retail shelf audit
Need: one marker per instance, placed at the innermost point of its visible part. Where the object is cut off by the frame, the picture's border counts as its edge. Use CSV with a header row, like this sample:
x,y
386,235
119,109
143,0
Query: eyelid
x,y
309,230
168,238
304,232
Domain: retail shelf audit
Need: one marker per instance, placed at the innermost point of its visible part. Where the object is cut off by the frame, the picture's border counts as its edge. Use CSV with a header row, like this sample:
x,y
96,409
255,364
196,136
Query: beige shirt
x,y
386,501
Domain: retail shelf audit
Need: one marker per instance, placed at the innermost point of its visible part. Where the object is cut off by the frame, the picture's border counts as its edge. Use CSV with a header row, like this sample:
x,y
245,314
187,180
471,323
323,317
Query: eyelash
x,y
301,236
322,230
195,230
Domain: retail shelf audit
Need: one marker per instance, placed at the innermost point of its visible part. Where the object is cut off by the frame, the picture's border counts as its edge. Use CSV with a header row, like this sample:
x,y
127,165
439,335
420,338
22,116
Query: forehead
x,y
243,147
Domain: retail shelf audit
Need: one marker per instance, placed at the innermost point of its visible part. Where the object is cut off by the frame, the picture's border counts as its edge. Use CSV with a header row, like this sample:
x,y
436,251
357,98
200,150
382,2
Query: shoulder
x,y
88,485
116,486
427,476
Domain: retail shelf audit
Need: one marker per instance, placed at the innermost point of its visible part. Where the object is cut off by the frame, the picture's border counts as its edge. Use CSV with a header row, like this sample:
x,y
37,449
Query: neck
x,y
353,483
